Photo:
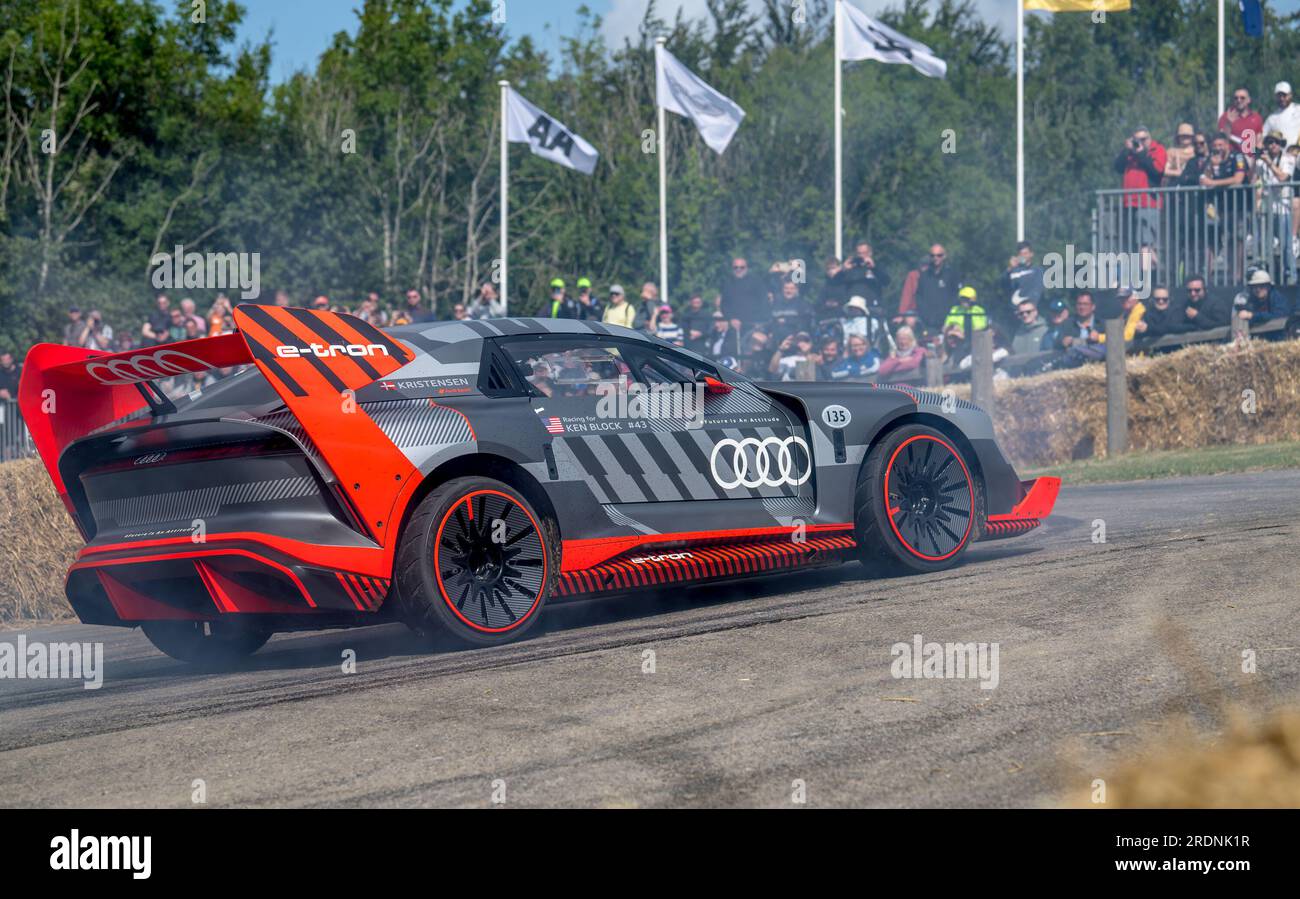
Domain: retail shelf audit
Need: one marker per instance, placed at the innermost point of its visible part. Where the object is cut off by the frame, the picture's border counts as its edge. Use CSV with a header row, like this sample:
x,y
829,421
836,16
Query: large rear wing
x,y
312,360
67,393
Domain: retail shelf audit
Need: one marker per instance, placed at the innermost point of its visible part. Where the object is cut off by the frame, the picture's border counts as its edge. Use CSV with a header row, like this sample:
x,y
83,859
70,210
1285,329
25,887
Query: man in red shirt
x,y
1142,165
1241,123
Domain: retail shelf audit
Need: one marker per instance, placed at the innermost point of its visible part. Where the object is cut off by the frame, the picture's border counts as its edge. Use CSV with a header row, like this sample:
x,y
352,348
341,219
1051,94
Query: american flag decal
x,y
554,426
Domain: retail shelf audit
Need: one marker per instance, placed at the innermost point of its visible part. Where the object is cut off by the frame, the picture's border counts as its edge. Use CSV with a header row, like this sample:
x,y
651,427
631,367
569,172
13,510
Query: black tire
x,y
461,574
934,508
206,643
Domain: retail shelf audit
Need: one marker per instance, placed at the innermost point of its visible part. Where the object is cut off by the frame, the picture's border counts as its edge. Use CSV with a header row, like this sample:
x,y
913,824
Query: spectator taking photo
x,y
1274,173
487,303
861,277
1141,164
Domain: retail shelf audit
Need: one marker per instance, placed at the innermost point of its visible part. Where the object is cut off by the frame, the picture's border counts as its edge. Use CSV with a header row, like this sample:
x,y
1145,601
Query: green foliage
x,y
171,134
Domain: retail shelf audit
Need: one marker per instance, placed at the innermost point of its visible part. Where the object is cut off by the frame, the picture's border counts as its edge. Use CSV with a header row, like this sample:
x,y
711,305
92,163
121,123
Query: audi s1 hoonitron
x,y
459,475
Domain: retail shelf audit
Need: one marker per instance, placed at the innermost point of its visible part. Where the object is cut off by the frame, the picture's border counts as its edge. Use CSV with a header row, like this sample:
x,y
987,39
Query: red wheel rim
x,y
929,501
489,561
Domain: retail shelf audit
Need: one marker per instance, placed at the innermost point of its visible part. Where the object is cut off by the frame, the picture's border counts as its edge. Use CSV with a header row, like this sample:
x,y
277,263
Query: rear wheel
x,y
206,642
917,503
476,562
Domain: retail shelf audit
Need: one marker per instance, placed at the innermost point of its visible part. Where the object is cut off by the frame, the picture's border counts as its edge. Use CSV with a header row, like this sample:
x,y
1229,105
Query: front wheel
x,y
917,503
206,643
477,562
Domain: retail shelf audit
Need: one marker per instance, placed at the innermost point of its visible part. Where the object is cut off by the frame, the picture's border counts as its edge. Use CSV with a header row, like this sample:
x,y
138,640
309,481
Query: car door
x,y
745,444
647,430
575,384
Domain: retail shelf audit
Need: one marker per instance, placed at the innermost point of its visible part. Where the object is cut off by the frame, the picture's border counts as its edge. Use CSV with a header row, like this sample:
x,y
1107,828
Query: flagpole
x,y
1222,104
839,142
1020,120
505,192
663,195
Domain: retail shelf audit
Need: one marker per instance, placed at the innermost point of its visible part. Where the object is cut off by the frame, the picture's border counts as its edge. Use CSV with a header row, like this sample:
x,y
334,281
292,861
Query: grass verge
x,y
1176,463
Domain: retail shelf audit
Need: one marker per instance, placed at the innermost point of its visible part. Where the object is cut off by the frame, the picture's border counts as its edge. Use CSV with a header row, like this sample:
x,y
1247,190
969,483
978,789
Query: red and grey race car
x,y
460,475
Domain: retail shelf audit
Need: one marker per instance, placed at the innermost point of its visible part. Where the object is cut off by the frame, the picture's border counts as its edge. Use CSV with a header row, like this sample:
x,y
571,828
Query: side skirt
x,y
641,568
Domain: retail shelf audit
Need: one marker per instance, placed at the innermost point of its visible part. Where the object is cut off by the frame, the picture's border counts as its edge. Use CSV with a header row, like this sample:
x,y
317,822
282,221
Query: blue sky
x,y
302,29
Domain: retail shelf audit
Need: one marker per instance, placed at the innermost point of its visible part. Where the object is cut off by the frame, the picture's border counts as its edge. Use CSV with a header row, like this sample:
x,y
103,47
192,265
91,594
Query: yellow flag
x,y
1080,5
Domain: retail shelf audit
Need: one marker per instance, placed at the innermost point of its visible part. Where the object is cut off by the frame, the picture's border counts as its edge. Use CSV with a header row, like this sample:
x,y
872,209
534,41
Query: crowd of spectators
x,y
1244,150
774,325
845,325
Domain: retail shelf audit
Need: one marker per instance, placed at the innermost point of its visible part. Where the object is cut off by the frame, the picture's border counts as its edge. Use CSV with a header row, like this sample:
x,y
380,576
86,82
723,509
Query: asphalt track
x,y
755,686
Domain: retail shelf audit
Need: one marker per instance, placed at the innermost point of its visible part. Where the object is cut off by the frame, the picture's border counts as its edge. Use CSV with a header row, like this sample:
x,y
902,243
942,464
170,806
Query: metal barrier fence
x,y
1218,233
15,442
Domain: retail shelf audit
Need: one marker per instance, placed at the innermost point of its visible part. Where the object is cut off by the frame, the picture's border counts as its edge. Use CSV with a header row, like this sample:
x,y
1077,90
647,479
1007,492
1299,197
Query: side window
x,y
660,368
551,368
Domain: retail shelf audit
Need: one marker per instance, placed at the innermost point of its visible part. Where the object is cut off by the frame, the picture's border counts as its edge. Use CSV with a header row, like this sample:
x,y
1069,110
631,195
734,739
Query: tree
x,y
60,161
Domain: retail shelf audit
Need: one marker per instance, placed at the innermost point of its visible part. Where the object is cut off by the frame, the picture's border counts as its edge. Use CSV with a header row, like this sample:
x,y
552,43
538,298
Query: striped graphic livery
x,y
652,466
790,505
283,421
206,502
741,401
419,422
266,327
366,593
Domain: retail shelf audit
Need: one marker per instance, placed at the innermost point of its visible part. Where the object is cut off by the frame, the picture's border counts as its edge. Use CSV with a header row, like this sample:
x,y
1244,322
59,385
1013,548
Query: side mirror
x,y
713,385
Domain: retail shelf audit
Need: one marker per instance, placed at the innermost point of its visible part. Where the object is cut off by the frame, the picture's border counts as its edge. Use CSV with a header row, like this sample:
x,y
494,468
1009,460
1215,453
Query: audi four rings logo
x,y
145,367
775,463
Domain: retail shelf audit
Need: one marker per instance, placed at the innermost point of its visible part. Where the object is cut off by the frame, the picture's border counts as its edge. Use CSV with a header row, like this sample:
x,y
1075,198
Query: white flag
x,y
526,124
679,90
862,37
